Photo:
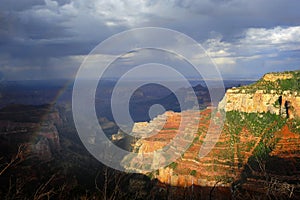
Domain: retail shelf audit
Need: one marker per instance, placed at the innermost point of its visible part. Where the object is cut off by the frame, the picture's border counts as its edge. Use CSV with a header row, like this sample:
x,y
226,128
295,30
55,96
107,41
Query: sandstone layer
x,y
277,93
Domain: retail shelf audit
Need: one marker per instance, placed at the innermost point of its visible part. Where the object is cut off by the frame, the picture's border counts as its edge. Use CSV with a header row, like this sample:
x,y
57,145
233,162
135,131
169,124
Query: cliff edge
x,y
277,93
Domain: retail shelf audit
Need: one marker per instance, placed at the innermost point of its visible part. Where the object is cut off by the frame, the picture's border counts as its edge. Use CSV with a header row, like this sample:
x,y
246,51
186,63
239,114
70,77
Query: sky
x,y
49,39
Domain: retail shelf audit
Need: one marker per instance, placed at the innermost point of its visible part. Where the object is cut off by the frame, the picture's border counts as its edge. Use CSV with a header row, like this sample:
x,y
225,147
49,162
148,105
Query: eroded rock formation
x,y
270,94
260,101
256,127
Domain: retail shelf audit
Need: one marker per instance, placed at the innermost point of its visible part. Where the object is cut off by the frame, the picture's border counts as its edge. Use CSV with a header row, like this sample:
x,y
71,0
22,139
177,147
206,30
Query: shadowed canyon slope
x,y
33,126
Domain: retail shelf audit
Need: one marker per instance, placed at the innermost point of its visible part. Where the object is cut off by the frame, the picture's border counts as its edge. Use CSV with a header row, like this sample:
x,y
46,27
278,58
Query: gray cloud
x,y
43,35
16,5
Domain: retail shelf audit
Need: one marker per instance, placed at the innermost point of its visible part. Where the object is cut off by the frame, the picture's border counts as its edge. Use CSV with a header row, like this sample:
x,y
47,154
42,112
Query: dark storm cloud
x,y
20,5
50,24
231,17
33,33
17,5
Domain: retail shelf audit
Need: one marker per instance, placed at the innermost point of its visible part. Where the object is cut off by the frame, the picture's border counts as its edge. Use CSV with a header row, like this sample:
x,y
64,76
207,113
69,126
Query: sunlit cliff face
x,y
258,126
276,93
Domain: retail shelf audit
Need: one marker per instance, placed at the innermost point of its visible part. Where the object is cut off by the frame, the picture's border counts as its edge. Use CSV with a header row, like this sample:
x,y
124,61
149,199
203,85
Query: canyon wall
x,y
260,101
258,119
33,126
261,97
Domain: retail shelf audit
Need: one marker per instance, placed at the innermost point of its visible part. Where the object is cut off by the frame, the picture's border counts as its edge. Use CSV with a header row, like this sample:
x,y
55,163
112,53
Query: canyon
x,y
258,145
256,130
32,126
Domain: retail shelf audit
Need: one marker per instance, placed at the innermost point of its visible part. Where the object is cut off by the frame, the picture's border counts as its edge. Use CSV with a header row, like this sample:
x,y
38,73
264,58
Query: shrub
x,y
173,165
193,173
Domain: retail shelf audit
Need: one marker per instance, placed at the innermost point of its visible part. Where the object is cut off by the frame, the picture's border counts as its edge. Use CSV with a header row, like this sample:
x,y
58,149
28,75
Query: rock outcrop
x,y
272,77
286,103
47,141
270,94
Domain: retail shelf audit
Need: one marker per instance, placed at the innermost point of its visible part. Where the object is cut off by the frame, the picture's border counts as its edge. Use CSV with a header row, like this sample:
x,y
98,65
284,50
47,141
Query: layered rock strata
x,y
260,121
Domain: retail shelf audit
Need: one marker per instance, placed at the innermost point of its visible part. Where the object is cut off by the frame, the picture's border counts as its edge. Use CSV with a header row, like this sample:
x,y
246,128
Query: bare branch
x,y
41,191
18,158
